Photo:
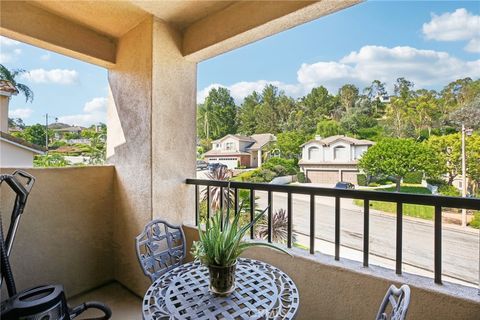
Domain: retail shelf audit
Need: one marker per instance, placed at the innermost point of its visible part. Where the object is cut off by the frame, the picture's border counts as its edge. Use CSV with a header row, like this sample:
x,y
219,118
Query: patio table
x,y
262,292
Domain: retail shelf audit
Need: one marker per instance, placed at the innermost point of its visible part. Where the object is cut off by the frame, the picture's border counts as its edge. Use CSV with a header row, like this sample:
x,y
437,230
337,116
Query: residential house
x,y
236,150
332,159
14,152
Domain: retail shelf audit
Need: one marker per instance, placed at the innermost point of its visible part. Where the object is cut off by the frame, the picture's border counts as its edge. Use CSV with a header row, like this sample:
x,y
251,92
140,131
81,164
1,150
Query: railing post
x,y
289,219
366,231
438,244
252,211
236,201
398,268
197,205
269,222
312,223
221,208
208,202
337,228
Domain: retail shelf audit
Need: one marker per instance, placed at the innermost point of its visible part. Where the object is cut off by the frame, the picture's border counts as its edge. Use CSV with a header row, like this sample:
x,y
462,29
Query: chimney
x,y
6,91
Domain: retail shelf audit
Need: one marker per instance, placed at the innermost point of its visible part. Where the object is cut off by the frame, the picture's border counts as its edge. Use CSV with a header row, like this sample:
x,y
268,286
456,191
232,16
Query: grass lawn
x,y
412,210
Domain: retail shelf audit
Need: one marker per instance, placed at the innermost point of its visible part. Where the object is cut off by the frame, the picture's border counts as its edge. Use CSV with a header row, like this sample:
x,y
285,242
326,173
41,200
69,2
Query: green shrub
x,y
244,176
361,179
373,184
301,177
475,223
262,175
414,177
447,190
281,166
436,181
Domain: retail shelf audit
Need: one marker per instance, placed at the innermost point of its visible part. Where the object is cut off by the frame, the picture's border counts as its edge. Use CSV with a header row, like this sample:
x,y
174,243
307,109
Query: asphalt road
x,y
460,247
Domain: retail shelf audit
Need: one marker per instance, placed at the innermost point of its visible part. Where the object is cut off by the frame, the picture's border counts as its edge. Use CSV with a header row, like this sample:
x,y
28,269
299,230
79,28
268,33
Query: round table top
x,y
262,292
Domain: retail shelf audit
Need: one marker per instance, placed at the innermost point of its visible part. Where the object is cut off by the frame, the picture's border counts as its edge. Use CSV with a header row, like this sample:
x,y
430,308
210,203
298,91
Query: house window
x,y
340,153
217,146
229,146
313,153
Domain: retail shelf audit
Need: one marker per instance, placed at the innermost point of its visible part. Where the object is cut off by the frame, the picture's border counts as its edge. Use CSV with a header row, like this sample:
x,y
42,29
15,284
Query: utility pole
x,y
46,131
467,132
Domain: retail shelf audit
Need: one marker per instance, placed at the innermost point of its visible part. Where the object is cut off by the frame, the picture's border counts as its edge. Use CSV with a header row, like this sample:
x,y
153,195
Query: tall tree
x,y
11,76
347,96
247,119
449,149
275,111
397,157
216,117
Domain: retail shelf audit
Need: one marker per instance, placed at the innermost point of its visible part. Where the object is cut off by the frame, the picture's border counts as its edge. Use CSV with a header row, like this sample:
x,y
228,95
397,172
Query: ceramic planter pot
x,y
222,279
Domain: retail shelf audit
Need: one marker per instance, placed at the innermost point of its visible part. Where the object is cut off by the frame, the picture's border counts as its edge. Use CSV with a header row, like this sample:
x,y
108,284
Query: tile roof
x,y
261,140
329,140
22,143
7,86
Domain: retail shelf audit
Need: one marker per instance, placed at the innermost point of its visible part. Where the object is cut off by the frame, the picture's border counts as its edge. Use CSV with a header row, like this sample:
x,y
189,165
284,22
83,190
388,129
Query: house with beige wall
x,y
332,159
14,152
236,150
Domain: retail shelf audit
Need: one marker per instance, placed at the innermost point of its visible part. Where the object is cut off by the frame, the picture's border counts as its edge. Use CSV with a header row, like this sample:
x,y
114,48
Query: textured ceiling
x,y
117,17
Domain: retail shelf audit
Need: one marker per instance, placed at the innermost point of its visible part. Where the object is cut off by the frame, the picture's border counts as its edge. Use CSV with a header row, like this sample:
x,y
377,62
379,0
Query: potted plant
x,y
219,247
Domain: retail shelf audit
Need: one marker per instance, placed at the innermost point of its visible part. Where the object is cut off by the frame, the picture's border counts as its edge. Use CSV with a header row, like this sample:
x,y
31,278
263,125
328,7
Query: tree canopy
x,y
397,157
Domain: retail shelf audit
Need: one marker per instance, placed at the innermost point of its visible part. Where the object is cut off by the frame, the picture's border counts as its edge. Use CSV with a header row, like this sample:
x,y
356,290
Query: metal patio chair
x,y
160,248
399,300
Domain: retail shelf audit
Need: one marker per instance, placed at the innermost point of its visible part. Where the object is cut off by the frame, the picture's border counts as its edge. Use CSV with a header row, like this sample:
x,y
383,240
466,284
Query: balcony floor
x,y
124,304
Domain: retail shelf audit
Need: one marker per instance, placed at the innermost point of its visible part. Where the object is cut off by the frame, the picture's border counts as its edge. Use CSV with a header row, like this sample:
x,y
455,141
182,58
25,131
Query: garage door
x,y
324,176
350,176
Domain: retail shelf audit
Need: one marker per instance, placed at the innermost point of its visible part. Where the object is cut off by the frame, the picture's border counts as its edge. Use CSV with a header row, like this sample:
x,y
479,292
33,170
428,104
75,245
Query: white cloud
x,y
95,111
59,76
9,50
426,68
459,25
473,45
45,57
20,113
96,105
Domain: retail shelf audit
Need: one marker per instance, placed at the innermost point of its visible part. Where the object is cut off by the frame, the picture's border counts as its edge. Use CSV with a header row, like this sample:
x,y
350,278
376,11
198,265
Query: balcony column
x,y
174,82
151,139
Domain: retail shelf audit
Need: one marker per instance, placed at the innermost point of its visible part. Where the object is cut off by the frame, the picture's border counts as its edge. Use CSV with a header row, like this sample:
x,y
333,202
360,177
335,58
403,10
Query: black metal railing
x,y
438,202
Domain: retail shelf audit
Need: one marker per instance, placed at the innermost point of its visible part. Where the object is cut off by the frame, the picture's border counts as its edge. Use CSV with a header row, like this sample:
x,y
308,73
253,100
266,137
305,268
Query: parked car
x,y
215,165
202,165
344,185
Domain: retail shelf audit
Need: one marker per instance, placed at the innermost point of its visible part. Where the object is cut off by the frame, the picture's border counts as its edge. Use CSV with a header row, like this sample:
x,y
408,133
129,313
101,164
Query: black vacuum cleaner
x,y
46,302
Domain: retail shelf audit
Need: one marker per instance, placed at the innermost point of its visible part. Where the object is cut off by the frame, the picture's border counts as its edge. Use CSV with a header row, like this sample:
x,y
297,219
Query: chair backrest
x,y
160,248
399,300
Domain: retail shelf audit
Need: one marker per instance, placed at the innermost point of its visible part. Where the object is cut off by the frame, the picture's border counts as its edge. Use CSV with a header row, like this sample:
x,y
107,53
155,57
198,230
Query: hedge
x,y
361,179
414,177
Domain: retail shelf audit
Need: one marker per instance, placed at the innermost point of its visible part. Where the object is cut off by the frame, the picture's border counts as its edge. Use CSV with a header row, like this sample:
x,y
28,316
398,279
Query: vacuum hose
x,y
5,268
74,312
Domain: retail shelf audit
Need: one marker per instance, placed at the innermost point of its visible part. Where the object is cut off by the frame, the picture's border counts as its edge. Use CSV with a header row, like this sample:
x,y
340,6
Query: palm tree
x,y
228,196
10,76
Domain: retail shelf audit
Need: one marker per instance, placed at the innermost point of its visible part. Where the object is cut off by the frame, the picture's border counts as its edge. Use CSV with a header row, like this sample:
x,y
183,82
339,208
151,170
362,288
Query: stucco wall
x,y
4,101
14,156
174,94
342,290
66,229
131,86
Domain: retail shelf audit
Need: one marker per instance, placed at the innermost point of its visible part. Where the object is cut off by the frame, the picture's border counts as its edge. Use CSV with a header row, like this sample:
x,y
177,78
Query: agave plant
x,y
223,241
222,174
279,227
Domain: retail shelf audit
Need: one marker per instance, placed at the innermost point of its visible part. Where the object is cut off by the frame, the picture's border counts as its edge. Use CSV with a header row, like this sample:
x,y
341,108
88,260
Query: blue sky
x,y
429,42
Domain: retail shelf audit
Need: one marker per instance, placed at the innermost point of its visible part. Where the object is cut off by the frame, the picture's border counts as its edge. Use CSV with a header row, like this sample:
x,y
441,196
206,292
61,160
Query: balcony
x,y
74,232
80,223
